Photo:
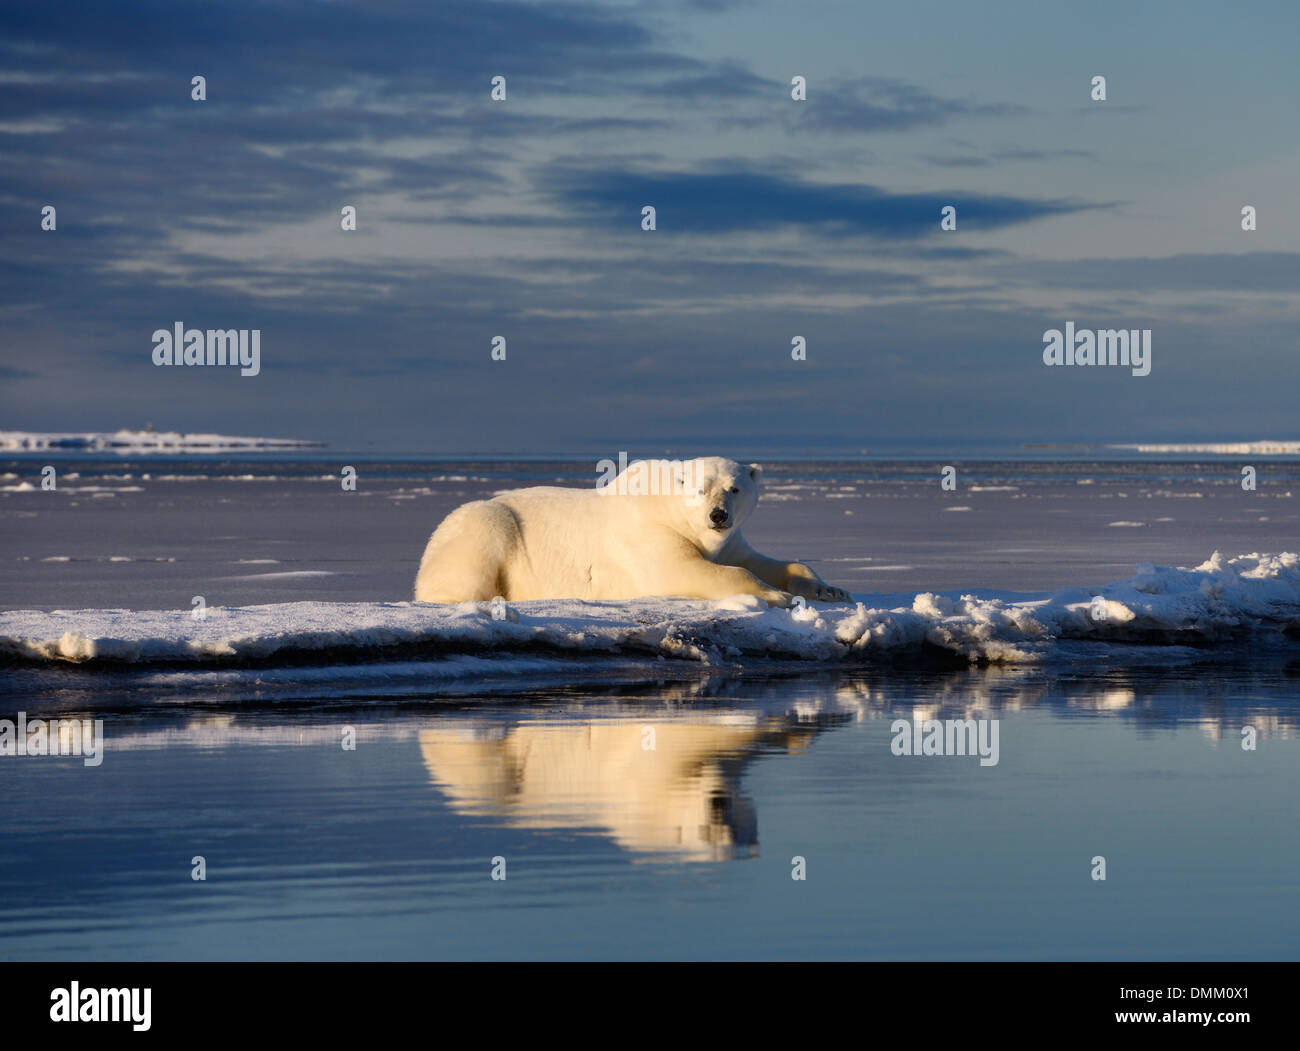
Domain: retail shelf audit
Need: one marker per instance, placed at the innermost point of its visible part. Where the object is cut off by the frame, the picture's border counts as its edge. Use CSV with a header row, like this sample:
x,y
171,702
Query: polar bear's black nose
x,y
718,515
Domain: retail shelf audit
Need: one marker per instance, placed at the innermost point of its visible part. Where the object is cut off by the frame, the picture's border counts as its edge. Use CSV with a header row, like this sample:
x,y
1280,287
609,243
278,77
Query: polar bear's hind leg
x,y
466,557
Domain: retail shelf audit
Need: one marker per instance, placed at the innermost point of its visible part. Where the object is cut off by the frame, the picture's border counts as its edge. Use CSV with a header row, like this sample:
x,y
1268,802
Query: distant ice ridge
x,y
1260,448
1221,600
144,441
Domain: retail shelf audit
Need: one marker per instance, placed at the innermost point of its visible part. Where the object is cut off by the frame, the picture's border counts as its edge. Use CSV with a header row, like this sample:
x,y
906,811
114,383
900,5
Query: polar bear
x,y
660,527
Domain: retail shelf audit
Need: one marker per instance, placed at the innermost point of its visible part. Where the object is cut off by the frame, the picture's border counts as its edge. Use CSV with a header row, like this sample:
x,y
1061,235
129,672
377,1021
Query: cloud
x,y
887,104
745,201
243,46
988,160
728,81
522,219
1190,272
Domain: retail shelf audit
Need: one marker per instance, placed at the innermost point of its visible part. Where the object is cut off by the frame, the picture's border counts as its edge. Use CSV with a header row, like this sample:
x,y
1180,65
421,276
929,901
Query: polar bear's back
x,y
538,543
569,541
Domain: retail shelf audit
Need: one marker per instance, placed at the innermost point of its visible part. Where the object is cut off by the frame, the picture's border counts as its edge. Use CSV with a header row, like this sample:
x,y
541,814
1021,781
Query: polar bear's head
x,y
718,495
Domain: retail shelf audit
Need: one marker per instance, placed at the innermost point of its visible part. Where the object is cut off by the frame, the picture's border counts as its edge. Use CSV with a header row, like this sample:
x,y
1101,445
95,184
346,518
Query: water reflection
x,y
665,788
318,852
659,768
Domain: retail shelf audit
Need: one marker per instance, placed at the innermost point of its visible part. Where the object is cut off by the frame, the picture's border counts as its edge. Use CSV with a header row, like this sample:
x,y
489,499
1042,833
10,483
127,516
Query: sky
x,y
775,218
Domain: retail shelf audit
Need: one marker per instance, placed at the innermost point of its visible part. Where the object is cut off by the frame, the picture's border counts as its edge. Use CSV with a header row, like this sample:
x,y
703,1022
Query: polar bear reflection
x,y
680,800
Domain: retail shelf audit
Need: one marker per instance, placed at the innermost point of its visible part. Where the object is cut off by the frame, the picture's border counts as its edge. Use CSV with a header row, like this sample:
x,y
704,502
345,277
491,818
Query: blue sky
x,y
775,219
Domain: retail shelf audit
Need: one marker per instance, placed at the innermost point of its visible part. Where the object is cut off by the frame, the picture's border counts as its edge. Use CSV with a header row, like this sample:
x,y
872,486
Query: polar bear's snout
x,y
719,517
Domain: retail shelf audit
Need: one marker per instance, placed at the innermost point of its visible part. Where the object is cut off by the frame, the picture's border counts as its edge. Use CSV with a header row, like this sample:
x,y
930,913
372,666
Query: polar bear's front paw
x,y
803,581
820,591
780,599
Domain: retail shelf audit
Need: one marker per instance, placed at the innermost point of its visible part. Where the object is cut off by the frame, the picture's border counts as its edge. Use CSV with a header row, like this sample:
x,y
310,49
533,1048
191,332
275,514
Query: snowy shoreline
x,y
1250,597
1258,448
144,441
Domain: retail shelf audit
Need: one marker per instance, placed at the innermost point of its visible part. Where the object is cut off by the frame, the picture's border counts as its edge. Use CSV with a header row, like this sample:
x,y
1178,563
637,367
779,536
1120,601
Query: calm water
x,y
612,849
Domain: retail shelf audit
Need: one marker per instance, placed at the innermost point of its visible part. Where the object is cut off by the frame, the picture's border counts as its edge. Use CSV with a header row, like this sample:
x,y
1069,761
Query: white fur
x,y
547,543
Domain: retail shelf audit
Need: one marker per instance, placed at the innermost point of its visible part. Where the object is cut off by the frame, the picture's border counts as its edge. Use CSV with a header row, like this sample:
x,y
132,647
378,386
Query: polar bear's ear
x,y
755,471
